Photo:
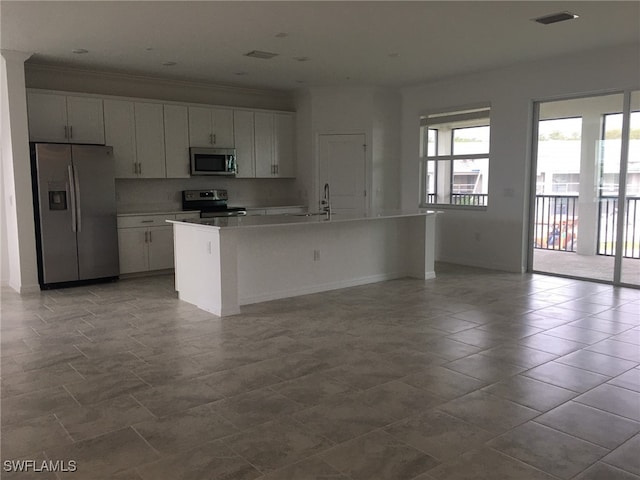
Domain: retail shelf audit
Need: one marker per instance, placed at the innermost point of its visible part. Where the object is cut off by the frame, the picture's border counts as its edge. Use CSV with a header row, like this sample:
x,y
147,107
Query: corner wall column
x,y
19,229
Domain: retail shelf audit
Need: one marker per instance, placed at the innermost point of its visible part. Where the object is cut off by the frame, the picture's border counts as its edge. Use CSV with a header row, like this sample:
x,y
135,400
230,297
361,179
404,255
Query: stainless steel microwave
x,y
213,161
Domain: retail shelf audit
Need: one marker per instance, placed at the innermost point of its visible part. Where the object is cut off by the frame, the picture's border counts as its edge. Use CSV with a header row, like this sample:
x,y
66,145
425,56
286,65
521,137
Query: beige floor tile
x,y
378,456
548,450
436,366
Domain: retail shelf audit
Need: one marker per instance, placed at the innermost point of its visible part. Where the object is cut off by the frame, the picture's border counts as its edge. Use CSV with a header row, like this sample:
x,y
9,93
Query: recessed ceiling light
x,y
301,59
282,35
260,54
240,73
168,64
555,18
148,49
79,51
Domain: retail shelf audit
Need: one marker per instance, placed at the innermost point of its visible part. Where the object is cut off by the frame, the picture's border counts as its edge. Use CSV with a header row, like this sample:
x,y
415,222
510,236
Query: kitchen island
x,y
223,263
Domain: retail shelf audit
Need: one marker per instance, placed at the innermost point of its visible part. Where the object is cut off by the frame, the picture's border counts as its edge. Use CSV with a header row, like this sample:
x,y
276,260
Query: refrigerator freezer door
x,y
96,210
57,236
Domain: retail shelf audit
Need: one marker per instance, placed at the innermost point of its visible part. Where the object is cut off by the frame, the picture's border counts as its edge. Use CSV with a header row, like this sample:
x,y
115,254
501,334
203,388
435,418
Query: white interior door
x,y
342,164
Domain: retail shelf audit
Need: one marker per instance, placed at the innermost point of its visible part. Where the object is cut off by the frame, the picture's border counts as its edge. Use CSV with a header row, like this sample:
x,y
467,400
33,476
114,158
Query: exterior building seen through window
x,y
454,157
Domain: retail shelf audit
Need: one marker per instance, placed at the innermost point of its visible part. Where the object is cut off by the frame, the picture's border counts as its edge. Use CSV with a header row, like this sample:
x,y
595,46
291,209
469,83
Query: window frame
x,y
431,122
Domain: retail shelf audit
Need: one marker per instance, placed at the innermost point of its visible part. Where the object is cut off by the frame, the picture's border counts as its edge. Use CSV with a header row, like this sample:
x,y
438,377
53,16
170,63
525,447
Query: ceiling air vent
x,y
259,54
555,18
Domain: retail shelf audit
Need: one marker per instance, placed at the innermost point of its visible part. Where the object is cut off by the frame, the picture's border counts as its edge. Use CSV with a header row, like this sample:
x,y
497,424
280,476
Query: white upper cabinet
x,y
211,127
65,119
85,119
120,133
274,145
264,145
244,141
284,145
150,140
176,141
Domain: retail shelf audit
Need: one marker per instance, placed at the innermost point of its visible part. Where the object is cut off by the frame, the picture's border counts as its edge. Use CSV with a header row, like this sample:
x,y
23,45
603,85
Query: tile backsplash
x,y
165,194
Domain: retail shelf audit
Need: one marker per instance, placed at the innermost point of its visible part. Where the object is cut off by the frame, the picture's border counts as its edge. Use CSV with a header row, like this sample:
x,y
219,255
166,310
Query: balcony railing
x,y
556,224
608,214
474,199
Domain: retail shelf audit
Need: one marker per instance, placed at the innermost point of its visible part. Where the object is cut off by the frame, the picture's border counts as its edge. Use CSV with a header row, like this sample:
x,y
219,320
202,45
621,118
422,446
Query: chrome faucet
x,y
326,201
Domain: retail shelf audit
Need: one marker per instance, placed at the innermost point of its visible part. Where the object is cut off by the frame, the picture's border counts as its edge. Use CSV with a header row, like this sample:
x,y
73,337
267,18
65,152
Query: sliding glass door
x,y
630,216
587,171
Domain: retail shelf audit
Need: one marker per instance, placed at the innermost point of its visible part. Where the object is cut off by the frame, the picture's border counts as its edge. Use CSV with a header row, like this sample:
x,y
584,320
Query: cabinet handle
x,y
66,132
146,221
140,168
214,138
211,138
70,131
277,169
146,237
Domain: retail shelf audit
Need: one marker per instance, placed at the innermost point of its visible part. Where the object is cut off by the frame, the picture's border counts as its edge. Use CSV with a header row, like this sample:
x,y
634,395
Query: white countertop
x,y
297,219
155,212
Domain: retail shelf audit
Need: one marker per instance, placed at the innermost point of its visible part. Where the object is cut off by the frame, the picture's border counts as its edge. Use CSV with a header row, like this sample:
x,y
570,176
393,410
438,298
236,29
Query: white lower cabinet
x,y
146,241
133,248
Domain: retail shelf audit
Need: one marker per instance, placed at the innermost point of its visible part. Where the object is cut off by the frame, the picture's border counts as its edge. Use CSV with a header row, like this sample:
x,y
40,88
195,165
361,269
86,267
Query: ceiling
x,y
345,43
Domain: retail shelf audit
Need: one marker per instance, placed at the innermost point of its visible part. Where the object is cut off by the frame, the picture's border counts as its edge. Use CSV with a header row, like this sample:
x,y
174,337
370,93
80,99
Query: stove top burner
x,y
211,203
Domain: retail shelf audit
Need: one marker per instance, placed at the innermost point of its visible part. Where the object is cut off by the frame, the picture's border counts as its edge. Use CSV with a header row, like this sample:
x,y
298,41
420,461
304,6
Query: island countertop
x,y
298,219
225,262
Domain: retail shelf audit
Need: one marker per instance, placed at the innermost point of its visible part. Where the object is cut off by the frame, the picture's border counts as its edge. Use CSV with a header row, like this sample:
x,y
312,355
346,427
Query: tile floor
x,y
474,375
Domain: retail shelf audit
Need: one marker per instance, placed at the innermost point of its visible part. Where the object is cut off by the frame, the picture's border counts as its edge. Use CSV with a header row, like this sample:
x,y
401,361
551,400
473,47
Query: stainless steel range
x,y
211,203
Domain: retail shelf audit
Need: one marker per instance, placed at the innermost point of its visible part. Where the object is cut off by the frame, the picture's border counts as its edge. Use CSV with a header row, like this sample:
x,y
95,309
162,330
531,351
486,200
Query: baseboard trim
x,y
323,287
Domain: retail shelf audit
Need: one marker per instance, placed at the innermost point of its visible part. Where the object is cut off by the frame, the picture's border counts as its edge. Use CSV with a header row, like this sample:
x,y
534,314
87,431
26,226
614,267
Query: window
x,y
565,183
454,156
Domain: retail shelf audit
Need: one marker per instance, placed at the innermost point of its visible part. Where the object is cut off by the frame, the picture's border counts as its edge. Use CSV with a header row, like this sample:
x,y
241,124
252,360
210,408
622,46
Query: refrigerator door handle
x,y
72,194
76,188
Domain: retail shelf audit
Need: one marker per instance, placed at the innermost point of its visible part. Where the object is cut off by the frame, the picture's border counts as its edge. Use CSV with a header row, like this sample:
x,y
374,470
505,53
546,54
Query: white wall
x,y
371,111
19,247
386,160
4,247
133,195
497,237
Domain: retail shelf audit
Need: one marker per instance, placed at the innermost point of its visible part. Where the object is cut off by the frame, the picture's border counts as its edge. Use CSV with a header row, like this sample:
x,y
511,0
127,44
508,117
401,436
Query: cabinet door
x,y
133,250
150,140
243,134
120,133
85,120
176,141
47,117
200,127
284,145
222,127
160,248
264,145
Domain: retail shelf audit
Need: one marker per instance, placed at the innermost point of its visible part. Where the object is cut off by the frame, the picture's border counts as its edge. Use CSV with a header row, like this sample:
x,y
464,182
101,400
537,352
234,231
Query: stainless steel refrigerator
x,y
75,209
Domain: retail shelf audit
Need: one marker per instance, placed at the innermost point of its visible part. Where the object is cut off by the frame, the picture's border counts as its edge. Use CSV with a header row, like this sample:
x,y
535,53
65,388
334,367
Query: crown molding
x,y
42,67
